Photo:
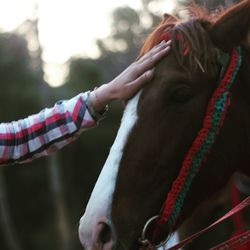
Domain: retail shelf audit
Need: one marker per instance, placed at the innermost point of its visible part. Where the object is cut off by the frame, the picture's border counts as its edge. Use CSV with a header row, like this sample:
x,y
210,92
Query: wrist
x,y
102,96
91,103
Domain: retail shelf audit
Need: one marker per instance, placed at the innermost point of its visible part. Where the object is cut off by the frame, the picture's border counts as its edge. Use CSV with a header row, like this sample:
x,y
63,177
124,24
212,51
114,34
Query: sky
x,y
66,27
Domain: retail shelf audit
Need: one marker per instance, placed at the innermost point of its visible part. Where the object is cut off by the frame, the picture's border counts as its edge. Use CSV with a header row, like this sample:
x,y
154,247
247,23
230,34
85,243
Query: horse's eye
x,y
181,94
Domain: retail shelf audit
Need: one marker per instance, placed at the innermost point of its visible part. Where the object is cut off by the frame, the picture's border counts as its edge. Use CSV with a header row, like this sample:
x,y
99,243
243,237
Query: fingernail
x,y
169,42
162,42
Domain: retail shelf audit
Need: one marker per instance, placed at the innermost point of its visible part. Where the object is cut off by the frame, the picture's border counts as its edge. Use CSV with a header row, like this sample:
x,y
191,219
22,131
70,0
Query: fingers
x,y
157,56
135,85
155,50
152,57
140,72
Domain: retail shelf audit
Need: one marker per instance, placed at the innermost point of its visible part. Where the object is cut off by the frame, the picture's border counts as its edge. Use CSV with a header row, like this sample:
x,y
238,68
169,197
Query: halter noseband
x,y
197,154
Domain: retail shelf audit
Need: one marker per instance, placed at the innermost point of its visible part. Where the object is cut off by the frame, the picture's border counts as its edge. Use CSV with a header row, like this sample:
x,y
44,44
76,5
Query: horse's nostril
x,y
104,236
96,235
104,233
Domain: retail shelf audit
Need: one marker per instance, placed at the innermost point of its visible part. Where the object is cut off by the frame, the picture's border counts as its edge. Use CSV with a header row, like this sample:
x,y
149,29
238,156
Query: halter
x,y
201,146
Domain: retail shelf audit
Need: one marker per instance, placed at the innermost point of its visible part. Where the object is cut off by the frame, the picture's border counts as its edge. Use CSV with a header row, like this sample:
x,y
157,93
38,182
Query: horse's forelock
x,y
194,35
169,21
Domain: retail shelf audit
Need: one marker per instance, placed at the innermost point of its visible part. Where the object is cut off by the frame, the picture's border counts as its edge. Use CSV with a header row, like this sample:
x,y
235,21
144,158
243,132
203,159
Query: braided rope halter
x,y
197,154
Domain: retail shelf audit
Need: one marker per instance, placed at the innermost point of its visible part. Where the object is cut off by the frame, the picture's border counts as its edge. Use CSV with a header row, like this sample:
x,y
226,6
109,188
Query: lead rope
x,y
196,156
234,242
238,218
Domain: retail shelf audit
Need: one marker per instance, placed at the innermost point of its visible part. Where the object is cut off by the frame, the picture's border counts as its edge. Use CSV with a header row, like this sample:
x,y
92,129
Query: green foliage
x,y
126,23
83,75
17,78
19,97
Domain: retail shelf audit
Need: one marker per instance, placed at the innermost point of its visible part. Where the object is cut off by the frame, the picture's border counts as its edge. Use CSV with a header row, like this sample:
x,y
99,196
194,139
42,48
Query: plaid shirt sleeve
x,y
46,132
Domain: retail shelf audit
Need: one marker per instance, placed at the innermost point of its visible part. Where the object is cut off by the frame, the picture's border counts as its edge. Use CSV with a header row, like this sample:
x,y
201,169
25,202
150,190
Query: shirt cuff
x,y
98,116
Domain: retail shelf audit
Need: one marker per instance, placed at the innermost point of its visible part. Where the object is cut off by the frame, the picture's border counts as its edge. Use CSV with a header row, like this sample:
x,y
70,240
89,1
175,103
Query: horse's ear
x,y
233,27
169,18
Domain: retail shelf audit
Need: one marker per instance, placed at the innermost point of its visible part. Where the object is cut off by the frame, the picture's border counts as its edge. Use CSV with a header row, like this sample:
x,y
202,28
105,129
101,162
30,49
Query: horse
x,y
168,127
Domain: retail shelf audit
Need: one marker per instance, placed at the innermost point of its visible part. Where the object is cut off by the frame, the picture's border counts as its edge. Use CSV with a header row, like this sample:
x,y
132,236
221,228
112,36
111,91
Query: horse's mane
x,y
194,34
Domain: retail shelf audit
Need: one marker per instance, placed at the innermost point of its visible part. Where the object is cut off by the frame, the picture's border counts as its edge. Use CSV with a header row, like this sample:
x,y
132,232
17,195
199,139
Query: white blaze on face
x,y
99,204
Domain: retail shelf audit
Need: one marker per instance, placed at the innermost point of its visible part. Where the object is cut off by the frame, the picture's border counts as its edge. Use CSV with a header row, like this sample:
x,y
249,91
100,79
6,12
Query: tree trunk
x,y
64,239
59,204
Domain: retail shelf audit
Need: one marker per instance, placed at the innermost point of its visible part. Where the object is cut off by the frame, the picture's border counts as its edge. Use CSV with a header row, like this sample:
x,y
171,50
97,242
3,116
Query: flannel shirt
x,y
46,132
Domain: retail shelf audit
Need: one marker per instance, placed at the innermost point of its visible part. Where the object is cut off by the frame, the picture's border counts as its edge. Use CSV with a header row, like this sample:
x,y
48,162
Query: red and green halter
x,y
197,154
201,146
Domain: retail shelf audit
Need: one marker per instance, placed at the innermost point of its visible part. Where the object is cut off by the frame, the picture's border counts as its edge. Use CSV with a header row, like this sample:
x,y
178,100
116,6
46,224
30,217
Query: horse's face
x,y
158,127
170,111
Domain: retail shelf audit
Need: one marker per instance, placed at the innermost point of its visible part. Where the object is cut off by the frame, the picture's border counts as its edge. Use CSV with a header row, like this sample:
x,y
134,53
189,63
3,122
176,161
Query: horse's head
x,y
160,124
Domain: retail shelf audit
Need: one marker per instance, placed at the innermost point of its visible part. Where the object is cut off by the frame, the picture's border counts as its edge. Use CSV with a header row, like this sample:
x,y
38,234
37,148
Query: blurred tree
x,y
152,18
18,80
84,73
17,96
22,92
125,24
54,172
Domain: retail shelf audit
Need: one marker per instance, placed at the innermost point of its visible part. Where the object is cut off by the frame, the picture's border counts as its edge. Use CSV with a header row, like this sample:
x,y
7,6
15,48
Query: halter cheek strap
x,y
197,154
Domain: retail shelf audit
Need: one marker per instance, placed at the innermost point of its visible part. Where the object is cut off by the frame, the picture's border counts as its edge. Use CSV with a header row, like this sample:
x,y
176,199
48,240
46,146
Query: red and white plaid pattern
x,y
46,132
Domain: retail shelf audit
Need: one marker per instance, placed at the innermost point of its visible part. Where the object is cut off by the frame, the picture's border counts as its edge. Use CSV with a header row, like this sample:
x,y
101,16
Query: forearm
x,y
43,133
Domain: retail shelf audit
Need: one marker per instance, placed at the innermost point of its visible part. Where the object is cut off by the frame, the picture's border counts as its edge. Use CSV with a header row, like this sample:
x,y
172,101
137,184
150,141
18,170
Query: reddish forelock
x,y
159,34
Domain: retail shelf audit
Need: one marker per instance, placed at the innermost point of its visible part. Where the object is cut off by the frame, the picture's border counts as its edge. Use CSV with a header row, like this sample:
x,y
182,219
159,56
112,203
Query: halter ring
x,y
144,241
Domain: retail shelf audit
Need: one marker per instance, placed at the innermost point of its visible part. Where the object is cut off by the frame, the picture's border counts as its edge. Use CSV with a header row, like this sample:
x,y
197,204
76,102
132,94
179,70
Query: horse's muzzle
x,y
96,237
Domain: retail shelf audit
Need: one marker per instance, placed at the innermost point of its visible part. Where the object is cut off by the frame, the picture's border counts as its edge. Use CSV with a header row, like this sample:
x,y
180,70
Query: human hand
x,y
125,85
